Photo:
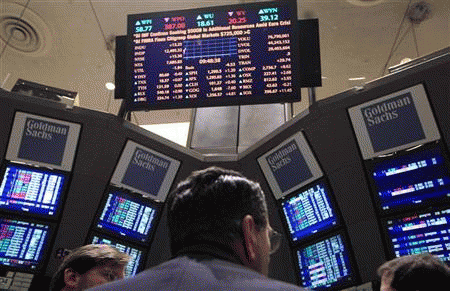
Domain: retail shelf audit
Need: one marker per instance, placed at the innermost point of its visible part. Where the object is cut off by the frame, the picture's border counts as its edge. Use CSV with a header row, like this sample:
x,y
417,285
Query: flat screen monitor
x,y
137,253
127,215
422,232
24,244
31,190
309,211
216,56
411,179
394,122
326,264
290,166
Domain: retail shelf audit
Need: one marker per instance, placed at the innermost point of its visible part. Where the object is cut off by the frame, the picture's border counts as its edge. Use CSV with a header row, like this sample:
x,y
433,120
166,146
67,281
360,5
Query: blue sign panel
x,y
43,141
146,171
288,166
393,122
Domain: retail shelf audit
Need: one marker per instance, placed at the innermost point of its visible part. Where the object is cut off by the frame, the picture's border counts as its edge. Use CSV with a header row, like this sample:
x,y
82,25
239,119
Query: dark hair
x,y
85,258
417,273
209,206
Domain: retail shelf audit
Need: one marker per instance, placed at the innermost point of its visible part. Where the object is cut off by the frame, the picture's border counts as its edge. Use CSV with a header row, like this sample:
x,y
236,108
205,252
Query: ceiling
x,y
358,39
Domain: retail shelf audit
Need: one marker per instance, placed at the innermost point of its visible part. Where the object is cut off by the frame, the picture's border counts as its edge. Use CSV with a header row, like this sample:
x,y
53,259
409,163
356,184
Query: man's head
x,y
89,266
221,206
414,273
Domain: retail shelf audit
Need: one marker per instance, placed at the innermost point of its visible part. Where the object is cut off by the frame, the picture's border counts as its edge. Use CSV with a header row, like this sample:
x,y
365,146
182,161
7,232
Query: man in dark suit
x,y
220,236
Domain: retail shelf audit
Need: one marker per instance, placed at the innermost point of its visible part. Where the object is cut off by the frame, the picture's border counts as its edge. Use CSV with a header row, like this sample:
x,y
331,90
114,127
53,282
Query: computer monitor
x,y
127,215
411,179
137,253
421,232
238,54
24,244
309,211
326,264
29,190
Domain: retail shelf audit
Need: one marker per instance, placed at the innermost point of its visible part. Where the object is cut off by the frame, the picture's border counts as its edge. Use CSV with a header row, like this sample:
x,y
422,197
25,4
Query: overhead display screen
x,y
326,264
394,122
411,180
215,56
130,216
425,232
23,244
26,189
309,211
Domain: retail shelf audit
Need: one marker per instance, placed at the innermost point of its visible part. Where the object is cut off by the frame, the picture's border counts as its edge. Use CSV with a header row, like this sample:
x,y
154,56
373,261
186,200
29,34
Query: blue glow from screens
x,y
135,254
412,180
128,216
421,233
206,56
31,190
22,244
309,211
325,264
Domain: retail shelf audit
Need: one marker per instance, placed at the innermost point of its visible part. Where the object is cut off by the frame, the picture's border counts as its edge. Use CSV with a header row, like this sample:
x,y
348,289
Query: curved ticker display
x,y
229,55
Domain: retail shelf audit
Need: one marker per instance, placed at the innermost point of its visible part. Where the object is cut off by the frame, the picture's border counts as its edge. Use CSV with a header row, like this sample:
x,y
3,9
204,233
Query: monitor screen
x,y
137,254
130,216
326,264
309,211
411,179
24,244
27,189
425,232
215,56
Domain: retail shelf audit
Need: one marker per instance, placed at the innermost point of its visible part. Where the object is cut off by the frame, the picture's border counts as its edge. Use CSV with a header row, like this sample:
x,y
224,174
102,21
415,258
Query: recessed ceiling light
x,y
110,86
357,78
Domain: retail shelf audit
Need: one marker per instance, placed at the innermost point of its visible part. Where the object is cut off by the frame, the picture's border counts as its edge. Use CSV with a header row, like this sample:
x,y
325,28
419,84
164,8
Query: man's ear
x,y
250,239
71,278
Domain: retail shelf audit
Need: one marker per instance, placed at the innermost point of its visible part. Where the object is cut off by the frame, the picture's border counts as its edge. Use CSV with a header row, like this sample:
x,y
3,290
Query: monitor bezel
x,y
354,279
16,134
424,112
46,250
63,195
136,197
307,154
370,165
124,161
295,96
143,249
387,243
333,204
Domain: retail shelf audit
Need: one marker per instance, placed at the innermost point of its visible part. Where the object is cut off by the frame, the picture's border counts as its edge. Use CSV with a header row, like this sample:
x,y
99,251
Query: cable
x,y
103,34
395,40
415,39
17,21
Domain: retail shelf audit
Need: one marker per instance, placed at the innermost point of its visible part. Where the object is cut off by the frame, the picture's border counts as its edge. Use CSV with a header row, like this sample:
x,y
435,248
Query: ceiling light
x,y
110,86
357,79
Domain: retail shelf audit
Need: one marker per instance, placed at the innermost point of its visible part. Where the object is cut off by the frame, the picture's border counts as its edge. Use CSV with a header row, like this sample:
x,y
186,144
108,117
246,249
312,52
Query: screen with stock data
x,y
413,179
137,254
309,211
128,215
424,232
27,189
23,244
326,264
215,56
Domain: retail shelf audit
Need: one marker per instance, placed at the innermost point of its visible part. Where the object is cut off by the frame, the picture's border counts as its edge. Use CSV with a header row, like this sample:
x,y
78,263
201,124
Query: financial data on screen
x,y
128,215
413,180
23,244
309,211
31,190
325,264
425,232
